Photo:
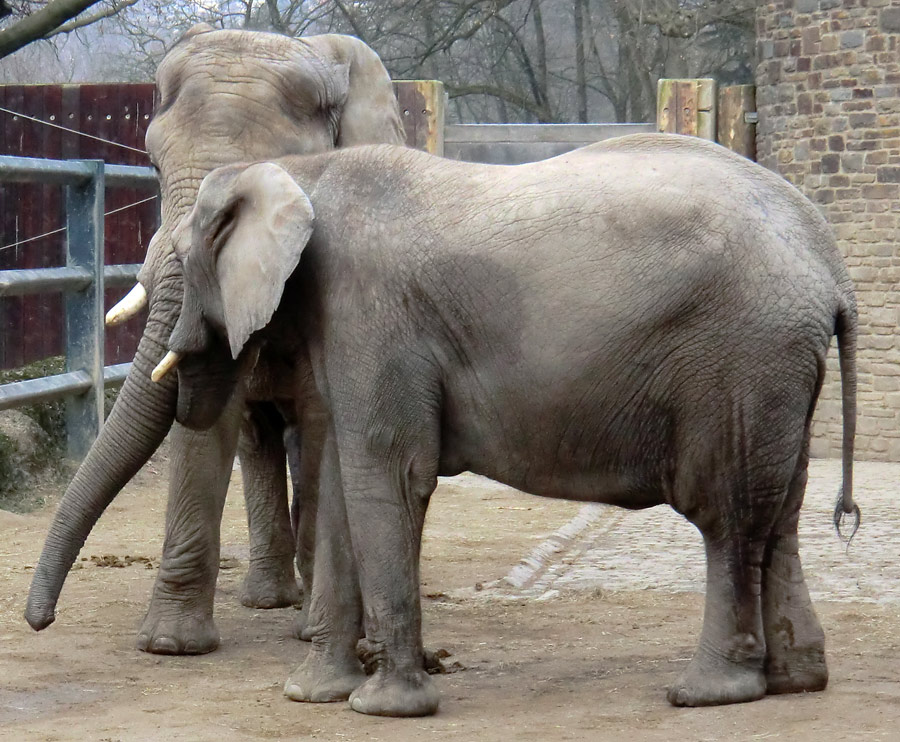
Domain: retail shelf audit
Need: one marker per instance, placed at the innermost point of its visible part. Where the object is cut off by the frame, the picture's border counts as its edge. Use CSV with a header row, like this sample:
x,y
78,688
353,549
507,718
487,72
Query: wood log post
x,y
687,107
422,106
737,119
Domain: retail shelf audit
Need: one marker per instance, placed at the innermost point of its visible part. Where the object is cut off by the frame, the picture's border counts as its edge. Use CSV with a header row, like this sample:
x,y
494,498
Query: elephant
x,y
641,322
224,96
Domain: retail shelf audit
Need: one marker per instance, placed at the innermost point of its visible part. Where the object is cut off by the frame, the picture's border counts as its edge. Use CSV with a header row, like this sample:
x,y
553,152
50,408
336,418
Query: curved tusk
x,y
169,361
132,303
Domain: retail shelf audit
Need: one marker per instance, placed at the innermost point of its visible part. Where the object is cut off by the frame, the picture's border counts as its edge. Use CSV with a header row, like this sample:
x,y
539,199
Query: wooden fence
x,y
31,327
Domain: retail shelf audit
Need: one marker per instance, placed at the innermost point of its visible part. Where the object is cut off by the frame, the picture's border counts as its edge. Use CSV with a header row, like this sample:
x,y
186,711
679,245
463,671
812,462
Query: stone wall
x,y
829,104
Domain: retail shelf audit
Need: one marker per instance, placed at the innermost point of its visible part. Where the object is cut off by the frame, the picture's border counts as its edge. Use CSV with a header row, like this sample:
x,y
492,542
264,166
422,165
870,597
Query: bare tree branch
x,y
539,93
675,20
40,23
511,60
275,16
351,19
83,21
510,96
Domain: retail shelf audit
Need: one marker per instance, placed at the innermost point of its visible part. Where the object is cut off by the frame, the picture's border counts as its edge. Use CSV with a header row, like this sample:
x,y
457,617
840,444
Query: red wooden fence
x,y
32,327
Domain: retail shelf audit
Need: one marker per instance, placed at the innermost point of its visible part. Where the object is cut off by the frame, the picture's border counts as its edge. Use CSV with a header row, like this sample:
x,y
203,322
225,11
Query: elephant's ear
x,y
197,28
258,229
369,112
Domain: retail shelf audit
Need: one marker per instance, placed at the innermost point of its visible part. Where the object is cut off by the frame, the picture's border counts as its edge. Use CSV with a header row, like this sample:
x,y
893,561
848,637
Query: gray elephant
x,y
639,322
224,96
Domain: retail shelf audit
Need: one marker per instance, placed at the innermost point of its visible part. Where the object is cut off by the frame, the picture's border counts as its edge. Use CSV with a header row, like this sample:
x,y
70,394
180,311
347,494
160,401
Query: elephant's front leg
x,y
180,617
331,670
386,498
270,581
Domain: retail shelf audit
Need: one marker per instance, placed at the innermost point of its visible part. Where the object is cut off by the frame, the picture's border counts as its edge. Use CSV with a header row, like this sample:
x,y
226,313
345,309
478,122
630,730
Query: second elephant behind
x,y
224,96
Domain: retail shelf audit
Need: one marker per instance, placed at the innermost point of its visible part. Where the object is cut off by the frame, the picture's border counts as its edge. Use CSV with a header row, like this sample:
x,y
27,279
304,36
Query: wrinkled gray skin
x,y
639,322
225,96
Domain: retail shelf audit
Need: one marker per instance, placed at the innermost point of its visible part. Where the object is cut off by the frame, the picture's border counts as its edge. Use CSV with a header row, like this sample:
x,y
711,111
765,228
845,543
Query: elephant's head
x,y
238,246
224,96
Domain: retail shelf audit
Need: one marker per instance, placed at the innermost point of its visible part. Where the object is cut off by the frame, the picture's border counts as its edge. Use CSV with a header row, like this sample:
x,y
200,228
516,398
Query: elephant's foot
x,y
710,681
324,677
805,675
270,583
177,634
409,693
795,657
431,659
795,642
302,631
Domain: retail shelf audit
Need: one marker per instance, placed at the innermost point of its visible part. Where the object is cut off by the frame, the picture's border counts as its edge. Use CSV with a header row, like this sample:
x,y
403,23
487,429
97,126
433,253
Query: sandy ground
x,y
603,616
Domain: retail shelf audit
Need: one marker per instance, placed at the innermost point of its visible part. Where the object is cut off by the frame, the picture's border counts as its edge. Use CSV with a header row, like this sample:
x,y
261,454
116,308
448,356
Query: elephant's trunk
x,y
136,427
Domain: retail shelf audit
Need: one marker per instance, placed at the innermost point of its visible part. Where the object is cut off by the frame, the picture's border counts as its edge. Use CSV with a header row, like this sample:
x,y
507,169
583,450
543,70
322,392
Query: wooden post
x,y
687,107
422,104
737,119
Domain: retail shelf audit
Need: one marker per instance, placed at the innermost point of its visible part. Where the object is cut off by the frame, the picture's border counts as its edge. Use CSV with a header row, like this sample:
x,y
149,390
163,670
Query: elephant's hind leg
x,y
270,580
728,664
740,496
795,642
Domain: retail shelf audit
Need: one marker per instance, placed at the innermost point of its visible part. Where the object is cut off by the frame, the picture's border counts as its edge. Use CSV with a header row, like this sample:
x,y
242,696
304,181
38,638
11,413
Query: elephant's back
x,y
661,211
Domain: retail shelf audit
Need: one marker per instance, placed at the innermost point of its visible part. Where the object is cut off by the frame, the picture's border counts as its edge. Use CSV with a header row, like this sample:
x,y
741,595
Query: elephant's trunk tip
x,y
39,617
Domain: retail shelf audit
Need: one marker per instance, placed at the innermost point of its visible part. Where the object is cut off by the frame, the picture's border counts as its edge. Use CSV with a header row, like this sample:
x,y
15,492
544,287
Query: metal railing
x,y
83,281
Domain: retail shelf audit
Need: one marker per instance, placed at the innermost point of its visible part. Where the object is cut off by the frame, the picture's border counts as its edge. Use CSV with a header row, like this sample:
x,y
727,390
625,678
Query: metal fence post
x,y
84,309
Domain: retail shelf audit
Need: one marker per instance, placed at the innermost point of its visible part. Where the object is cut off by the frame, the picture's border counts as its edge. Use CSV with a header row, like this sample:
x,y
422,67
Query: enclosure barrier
x,y
701,108
695,107
83,280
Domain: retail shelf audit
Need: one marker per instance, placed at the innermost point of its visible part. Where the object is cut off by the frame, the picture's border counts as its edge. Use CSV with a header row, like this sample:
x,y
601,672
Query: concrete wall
x,y
512,144
828,97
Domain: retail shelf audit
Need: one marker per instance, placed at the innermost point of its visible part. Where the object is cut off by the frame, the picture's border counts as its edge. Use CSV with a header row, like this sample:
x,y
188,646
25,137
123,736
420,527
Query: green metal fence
x,y
83,280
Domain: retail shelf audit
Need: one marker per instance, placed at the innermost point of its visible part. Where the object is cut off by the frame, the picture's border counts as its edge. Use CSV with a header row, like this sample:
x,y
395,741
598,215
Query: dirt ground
x,y
587,662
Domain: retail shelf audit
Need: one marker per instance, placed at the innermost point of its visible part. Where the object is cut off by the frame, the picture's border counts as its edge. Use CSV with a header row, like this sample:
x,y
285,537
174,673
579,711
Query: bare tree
x,y
633,43
521,53
507,60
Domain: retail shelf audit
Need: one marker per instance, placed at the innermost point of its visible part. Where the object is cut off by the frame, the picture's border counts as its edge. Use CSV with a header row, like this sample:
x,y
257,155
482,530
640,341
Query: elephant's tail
x,y
845,328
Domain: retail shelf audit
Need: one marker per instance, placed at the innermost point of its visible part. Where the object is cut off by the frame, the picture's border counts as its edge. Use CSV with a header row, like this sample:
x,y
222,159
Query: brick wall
x,y
829,103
